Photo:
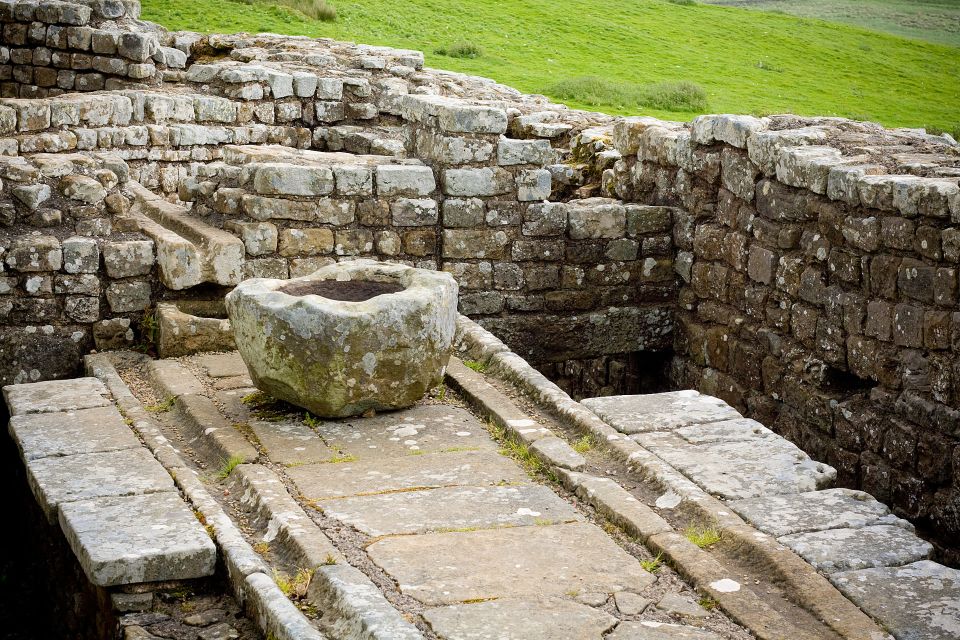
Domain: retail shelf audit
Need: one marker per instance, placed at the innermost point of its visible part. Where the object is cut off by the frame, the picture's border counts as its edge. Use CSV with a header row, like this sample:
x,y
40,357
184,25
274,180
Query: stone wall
x,y
819,266
803,269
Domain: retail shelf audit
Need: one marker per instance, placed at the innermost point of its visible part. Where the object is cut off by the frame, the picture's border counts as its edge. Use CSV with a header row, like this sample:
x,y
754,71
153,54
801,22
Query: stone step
x,y
220,254
117,506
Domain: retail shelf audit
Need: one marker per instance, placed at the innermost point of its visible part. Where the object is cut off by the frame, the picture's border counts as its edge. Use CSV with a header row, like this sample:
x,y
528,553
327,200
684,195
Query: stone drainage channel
x,y
414,523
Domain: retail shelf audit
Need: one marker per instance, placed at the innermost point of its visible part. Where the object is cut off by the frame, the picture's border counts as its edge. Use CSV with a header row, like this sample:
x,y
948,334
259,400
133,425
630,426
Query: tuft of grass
x,y
263,548
162,407
654,564
953,130
681,95
702,535
475,365
460,49
229,466
708,603
346,457
440,392
584,444
295,587
330,560
684,3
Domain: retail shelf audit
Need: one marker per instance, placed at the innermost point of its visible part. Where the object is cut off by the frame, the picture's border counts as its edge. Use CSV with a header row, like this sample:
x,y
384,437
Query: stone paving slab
x,y
659,411
740,430
58,480
39,435
55,395
918,601
422,428
737,470
518,562
132,539
812,511
846,549
223,365
649,630
291,442
451,508
549,619
334,480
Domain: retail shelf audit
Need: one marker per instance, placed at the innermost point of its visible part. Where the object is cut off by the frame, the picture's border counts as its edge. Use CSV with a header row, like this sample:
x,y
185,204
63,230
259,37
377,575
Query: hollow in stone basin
x,y
350,337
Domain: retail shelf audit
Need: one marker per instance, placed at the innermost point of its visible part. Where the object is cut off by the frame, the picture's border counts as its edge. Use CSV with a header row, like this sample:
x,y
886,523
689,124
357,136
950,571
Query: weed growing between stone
x,y
475,365
583,444
654,564
162,407
702,535
460,49
229,466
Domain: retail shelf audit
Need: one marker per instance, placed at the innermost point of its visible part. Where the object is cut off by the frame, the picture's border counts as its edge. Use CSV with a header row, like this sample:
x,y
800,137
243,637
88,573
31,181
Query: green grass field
x,y
745,61
931,20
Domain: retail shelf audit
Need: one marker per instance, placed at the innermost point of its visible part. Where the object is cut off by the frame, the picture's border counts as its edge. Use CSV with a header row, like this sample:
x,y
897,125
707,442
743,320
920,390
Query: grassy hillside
x,y
930,20
745,61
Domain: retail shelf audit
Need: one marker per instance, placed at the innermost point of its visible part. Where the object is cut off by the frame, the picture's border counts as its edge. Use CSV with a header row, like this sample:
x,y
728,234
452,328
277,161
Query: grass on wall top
x,y
618,56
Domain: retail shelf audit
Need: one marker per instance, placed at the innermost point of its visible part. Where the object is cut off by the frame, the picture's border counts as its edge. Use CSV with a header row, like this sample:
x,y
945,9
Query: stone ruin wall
x,y
803,269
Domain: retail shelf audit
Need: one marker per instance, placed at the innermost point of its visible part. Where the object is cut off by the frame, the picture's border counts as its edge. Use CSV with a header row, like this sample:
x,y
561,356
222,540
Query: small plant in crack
x,y
703,535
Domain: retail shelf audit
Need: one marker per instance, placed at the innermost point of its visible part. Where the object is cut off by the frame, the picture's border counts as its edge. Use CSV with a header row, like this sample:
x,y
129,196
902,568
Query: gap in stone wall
x,y
621,374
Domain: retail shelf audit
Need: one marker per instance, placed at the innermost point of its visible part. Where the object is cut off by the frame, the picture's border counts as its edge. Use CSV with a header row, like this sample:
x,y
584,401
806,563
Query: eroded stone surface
x,y
55,395
423,429
62,434
223,365
332,480
448,568
649,630
451,508
735,470
57,480
130,539
289,442
659,411
919,601
811,511
863,548
547,619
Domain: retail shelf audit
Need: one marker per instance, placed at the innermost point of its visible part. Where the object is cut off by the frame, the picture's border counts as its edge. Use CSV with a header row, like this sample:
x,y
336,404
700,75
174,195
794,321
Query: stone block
x,y
259,238
80,255
596,218
405,180
463,212
135,539
35,253
408,212
55,396
513,152
485,181
533,184
305,242
292,180
128,295
127,258
474,244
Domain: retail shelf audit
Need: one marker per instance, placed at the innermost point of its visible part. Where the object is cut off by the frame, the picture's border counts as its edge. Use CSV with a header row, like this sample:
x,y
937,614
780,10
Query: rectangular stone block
x,y
40,435
55,395
135,539
57,480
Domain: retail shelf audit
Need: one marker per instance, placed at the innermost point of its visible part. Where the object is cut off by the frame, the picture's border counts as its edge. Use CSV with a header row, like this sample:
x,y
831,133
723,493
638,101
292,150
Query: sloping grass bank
x,y
744,61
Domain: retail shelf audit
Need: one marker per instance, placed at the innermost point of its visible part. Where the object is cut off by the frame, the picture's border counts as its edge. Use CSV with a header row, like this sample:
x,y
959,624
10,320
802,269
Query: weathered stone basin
x,y
347,338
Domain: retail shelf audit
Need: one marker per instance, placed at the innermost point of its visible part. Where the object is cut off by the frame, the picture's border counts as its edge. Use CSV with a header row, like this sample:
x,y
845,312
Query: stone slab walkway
x,y
425,499
872,556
